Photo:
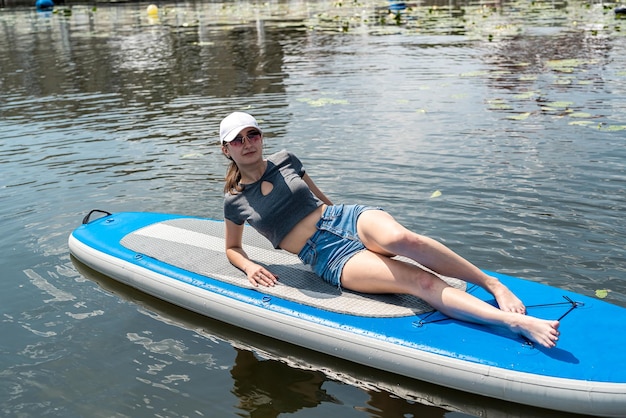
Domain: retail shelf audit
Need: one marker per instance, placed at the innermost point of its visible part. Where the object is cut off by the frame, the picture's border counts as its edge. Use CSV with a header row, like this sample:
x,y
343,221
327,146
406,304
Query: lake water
x,y
497,128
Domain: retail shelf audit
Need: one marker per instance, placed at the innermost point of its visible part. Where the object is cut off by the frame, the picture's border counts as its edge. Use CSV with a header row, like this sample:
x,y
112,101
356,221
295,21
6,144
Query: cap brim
x,y
235,131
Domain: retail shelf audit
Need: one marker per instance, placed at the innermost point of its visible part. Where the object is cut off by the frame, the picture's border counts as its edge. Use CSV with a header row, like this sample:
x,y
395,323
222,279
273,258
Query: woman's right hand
x,y
259,275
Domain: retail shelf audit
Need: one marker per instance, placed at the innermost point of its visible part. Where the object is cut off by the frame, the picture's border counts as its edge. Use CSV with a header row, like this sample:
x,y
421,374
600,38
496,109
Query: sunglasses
x,y
250,137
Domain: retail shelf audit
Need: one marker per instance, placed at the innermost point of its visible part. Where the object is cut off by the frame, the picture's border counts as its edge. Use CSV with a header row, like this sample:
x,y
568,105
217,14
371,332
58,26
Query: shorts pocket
x,y
308,255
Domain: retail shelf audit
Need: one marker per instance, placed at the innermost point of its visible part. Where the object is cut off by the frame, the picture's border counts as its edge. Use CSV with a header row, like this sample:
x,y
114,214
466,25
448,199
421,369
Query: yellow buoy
x,y
152,10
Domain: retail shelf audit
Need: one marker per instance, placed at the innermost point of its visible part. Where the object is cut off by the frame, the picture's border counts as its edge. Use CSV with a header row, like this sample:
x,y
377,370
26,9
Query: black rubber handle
x,y
86,219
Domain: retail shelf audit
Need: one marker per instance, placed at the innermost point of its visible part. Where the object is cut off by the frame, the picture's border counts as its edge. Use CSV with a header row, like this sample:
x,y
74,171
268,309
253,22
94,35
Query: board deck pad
x,y
197,245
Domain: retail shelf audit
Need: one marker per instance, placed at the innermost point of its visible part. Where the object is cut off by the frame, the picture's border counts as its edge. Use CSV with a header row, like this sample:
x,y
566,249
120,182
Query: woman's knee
x,y
420,283
426,281
400,240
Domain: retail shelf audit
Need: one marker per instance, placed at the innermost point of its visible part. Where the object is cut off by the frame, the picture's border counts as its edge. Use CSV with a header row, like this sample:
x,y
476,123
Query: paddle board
x,y
181,260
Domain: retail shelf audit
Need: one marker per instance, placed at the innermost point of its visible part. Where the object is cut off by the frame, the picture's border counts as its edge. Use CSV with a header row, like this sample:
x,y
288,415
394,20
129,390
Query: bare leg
x,y
370,272
382,234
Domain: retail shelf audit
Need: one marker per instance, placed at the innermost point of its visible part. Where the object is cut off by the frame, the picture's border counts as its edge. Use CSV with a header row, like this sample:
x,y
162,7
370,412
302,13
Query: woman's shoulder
x,y
283,156
280,155
231,197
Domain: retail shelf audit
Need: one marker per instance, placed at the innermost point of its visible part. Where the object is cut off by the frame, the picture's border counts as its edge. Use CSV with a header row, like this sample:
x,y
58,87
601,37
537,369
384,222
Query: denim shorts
x,y
335,242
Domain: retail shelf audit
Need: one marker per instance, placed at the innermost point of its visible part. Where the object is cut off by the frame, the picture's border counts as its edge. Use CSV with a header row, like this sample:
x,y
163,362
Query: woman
x,y
349,246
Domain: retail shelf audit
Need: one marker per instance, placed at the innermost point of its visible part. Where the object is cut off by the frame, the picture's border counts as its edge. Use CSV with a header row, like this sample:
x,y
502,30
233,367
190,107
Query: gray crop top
x,y
275,214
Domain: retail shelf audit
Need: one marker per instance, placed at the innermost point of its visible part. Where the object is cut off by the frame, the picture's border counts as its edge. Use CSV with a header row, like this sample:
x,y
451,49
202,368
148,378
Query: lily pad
x,y
324,101
522,116
613,128
567,65
500,106
581,115
563,81
526,95
191,156
559,105
475,74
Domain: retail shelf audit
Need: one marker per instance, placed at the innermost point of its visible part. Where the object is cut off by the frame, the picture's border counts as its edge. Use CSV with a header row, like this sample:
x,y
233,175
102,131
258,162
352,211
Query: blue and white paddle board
x,y
181,259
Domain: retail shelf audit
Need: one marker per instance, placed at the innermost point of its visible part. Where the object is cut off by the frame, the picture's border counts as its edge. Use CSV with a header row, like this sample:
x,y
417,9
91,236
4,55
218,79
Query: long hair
x,y
233,179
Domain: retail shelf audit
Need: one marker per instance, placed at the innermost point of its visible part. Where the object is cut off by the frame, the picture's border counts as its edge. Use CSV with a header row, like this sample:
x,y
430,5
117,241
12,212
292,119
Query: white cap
x,y
232,124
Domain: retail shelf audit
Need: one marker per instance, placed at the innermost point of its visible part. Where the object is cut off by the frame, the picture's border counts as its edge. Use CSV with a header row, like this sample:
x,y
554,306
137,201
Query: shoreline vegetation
x,y
492,21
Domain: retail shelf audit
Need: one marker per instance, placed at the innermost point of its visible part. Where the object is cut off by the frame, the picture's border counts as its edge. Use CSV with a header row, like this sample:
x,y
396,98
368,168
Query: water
x,y
515,113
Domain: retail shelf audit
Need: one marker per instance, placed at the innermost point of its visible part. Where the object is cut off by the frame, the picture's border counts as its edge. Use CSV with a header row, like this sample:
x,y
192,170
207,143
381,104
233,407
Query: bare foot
x,y
540,331
507,301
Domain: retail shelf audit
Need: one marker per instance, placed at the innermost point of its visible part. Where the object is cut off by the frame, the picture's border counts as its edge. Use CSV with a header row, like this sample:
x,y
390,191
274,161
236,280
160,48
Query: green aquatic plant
x,y
559,105
500,106
611,128
568,65
526,95
324,101
520,117
580,115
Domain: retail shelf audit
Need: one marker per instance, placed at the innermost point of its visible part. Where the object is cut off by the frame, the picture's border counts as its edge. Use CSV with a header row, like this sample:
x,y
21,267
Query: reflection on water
x,y
268,377
270,388
513,112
